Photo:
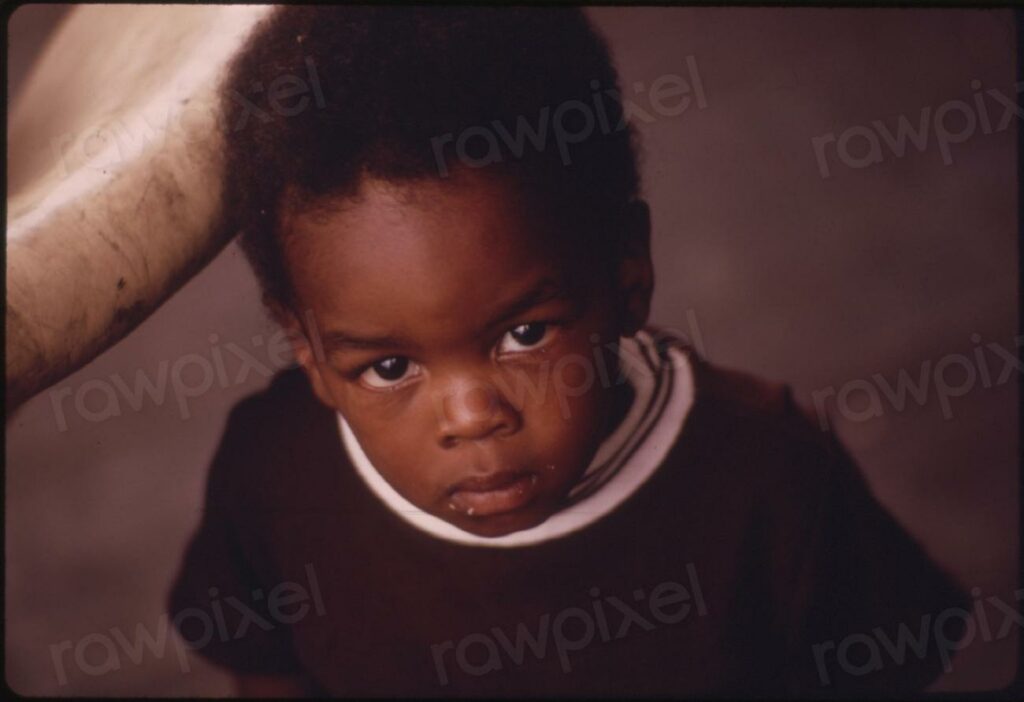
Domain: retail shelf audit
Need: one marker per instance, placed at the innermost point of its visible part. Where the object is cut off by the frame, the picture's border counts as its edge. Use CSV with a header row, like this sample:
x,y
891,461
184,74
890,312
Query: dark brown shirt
x,y
754,560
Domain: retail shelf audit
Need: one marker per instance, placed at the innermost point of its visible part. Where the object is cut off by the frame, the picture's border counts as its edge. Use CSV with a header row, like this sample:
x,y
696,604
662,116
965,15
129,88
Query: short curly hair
x,y
389,88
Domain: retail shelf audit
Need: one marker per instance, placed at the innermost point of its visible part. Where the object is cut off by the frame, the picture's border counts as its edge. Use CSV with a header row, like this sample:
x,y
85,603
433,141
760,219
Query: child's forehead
x,y
429,246
457,202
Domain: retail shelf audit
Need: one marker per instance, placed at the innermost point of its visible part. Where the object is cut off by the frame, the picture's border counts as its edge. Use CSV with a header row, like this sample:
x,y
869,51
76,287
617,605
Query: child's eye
x,y
524,337
389,372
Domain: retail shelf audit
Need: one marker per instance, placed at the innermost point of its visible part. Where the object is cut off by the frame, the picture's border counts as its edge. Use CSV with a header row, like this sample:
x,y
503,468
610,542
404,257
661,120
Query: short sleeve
x,y
860,598
218,602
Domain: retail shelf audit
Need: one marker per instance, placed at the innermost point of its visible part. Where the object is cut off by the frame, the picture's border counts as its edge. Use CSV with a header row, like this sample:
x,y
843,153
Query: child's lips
x,y
494,494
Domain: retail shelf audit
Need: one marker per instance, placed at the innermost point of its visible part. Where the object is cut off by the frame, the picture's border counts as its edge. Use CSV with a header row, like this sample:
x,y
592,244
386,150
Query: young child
x,y
490,477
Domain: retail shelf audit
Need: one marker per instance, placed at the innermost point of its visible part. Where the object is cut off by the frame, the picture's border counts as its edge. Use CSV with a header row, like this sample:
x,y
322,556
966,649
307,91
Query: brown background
x,y
816,281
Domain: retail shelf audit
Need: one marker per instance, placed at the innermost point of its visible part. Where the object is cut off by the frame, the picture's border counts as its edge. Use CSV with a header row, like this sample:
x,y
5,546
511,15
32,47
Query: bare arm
x,y
115,178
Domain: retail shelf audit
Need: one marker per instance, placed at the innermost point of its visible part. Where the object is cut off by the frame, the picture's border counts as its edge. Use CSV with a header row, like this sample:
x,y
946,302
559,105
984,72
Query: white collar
x,y
663,396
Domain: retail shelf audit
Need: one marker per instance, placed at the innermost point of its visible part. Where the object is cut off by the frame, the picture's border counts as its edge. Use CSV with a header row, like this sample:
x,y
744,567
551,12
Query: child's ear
x,y
306,352
635,271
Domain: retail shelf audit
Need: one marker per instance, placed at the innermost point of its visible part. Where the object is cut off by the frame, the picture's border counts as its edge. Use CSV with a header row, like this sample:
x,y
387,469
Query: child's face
x,y
468,355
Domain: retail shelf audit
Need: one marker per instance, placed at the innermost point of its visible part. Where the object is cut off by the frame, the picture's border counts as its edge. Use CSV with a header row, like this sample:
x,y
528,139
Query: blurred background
x,y
794,237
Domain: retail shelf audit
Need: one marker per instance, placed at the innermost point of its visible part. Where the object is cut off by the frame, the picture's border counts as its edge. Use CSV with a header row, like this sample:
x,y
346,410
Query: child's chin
x,y
502,524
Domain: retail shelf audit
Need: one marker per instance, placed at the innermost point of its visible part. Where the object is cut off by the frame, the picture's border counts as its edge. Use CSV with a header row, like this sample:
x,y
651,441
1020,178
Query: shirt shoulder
x,y
832,561
751,427
280,450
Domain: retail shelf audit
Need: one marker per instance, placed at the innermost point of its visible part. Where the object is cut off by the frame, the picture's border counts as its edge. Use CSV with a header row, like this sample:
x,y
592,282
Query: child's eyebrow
x,y
543,291
337,339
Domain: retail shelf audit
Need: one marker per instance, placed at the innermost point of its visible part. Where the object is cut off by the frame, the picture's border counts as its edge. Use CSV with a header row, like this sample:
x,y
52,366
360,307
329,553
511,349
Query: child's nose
x,y
472,409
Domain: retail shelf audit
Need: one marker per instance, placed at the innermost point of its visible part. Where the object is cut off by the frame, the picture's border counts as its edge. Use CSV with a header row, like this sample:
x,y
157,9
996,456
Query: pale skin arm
x,y
115,175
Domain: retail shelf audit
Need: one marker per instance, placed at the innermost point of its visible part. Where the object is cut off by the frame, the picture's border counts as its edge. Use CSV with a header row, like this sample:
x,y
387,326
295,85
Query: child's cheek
x,y
572,406
359,404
